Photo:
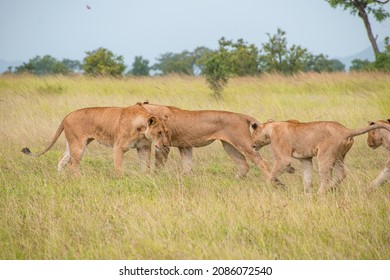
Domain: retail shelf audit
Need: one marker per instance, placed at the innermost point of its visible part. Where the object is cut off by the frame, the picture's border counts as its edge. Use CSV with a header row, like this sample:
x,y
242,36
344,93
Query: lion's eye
x,y
160,133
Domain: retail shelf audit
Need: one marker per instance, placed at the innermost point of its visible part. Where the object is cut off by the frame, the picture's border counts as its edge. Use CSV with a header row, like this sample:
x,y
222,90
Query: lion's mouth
x,y
373,146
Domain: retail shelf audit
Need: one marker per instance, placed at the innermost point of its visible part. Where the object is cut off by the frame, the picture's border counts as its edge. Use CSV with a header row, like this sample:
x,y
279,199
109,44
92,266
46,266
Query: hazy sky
x,y
67,28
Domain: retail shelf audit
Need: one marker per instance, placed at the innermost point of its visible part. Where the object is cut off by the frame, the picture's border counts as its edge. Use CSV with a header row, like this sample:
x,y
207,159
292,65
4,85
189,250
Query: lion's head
x,y
157,132
260,136
375,137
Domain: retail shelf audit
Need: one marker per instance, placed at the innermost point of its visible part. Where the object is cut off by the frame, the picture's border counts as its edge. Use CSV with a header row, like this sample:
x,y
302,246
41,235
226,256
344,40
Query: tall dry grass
x,y
206,215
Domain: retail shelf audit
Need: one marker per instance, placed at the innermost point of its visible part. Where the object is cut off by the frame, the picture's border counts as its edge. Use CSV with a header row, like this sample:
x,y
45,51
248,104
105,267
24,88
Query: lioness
x,y
120,128
190,129
375,139
329,141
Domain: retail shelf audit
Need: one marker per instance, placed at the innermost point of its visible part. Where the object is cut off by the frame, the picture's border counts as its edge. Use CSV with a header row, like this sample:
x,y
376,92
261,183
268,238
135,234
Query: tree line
x,y
230,59
239,58
236,58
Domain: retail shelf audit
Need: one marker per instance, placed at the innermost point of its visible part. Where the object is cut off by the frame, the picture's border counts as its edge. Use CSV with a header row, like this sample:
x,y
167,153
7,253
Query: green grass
x,y
205,215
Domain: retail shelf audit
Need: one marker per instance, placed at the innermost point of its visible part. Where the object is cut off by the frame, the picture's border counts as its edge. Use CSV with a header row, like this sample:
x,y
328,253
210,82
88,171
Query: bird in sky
x,y
88,7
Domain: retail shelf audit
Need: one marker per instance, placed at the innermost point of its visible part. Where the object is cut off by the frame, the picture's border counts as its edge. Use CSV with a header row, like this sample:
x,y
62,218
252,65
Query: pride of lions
x,y
143,124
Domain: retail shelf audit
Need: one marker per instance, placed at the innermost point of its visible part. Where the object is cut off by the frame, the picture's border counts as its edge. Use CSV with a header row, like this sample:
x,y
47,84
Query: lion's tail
x,y
55,137
359,131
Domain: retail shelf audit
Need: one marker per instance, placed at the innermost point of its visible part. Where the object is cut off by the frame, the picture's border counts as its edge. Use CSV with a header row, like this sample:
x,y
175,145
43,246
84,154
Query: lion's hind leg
x,y
65,159
76,153
326,164
340,173
307,165
382,177
238,158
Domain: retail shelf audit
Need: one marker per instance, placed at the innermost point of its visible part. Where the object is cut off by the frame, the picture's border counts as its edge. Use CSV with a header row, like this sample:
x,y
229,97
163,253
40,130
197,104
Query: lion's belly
x,y
189,143
202,143
104,140
105,143
302,154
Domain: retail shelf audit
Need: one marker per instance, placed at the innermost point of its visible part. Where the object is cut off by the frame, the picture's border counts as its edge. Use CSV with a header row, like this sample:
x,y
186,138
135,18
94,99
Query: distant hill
x,y
4,64
367,53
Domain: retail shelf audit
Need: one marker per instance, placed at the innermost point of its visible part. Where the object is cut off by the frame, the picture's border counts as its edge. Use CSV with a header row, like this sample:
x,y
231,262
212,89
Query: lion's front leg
x,y
260,162
118,160
144,157
161,157
186,159
280,166
325,164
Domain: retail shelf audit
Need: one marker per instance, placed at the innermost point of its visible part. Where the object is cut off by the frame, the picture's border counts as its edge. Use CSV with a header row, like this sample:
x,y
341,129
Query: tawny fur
x,y
328,141
375,139
117,127
191,129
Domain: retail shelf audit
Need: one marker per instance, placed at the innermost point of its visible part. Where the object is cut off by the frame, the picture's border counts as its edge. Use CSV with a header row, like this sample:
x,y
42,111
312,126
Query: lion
x,y
375,139
119,127
192,129
328,141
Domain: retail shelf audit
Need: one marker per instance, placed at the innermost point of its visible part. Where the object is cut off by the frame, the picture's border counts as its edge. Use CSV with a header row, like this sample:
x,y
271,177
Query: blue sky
x,y
67,28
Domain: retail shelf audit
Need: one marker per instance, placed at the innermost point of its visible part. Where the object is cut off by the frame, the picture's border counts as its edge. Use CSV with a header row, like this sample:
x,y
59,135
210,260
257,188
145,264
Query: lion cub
x,y
375,139
328,141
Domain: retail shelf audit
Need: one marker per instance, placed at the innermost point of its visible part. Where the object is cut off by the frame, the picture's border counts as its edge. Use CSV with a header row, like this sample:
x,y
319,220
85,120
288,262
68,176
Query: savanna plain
x,y
207,214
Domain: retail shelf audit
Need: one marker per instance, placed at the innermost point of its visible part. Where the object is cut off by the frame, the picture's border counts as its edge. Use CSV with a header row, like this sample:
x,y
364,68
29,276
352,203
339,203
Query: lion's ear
x,y
146,102
270,120
370,123
388,120
152,121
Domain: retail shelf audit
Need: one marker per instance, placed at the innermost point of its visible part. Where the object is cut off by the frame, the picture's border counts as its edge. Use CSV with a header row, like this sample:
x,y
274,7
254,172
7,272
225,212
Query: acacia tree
x,y
47,65
216,73
363,8
241,58
275,56
321,63
186,62
140,67
102,62
200,55
231,59
360,65
178,63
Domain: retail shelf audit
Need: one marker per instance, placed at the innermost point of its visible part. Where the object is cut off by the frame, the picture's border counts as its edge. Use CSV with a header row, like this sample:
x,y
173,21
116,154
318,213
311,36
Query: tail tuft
x,y
26,151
